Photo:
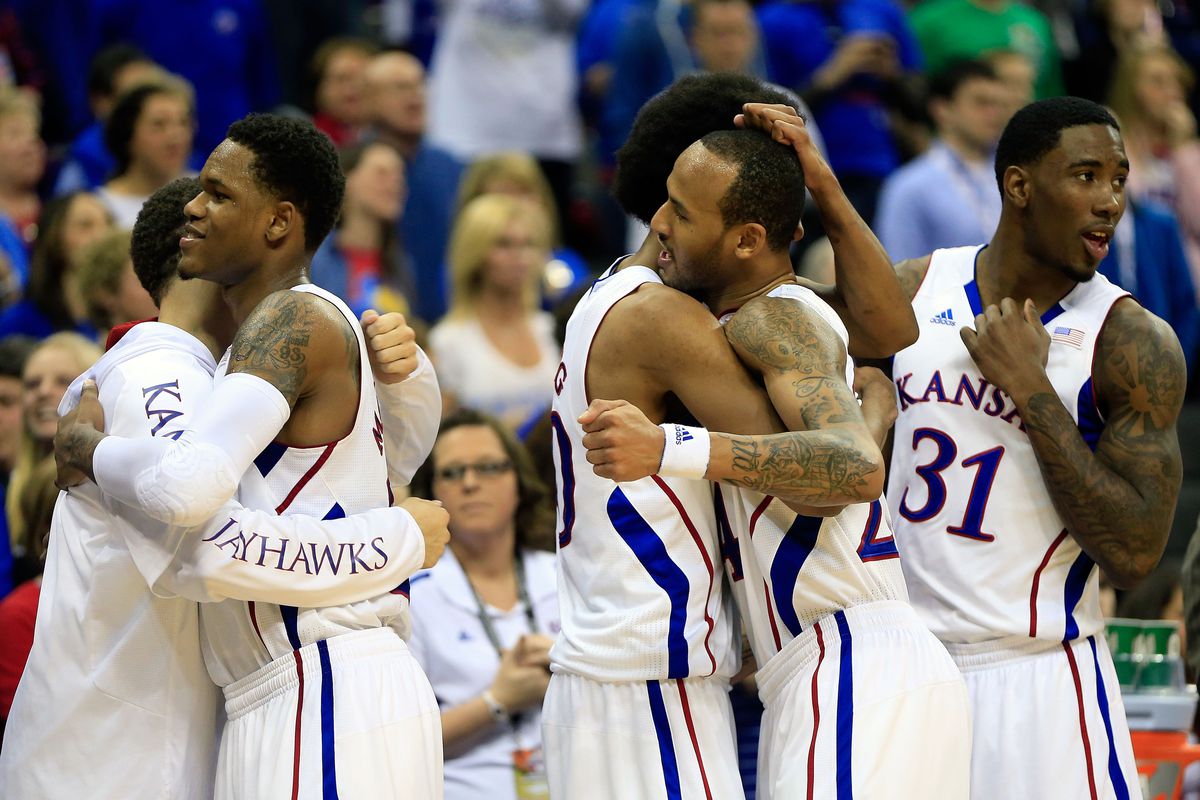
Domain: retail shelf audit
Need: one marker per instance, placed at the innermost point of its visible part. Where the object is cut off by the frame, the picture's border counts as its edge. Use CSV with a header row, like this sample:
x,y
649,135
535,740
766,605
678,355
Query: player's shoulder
x,y
298,310
911,273
645,310
1135,347
780,332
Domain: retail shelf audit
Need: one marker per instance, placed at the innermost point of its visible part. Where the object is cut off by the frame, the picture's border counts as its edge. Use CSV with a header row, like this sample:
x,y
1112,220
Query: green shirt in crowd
x,y
953,29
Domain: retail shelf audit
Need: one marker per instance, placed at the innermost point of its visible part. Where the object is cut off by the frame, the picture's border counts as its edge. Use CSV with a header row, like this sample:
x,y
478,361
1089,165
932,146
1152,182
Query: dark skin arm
x,y
867,294
1117,502
830,462
297,342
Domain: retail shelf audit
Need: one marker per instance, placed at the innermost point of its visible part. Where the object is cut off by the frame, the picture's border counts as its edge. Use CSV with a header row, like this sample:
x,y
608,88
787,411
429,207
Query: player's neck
x,y
244,297
194,307
1006,269
754,282
487,557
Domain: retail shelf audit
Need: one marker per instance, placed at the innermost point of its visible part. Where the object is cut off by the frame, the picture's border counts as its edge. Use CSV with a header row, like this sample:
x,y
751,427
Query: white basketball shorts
x,y
352,717
650,740
1049,721
866,703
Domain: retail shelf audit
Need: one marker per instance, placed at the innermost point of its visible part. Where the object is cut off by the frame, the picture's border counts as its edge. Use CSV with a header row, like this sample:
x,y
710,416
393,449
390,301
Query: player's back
x,y
986,555
789,570
326,481
101,632
639,590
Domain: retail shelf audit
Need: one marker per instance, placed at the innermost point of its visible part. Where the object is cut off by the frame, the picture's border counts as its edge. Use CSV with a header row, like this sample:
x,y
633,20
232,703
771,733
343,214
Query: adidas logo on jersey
x,y
944,318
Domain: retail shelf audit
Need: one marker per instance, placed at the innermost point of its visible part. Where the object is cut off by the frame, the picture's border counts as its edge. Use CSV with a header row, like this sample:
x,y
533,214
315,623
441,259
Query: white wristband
x,y
685,451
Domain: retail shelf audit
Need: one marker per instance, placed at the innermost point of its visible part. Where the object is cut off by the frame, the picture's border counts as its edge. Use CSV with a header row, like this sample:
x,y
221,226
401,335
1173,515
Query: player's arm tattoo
x,y
1118,502
911,273
830,457
274,342
816,467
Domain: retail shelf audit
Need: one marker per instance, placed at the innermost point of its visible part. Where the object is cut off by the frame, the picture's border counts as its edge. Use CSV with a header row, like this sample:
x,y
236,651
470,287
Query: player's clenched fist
x,y
434,522
392,345
621,443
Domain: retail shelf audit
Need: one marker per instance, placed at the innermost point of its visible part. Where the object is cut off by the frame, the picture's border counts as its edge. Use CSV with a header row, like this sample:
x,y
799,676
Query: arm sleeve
x,y
242,554
184,482
411,412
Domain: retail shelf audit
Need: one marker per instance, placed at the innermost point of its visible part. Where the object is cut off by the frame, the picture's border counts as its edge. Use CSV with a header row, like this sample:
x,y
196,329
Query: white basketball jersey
x,y
789,570
985,554
638,586
325,481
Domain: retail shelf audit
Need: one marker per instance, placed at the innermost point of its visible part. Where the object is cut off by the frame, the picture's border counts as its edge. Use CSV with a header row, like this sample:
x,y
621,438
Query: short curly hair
x,y
154,248
295,162
1037,128
768,189
691,108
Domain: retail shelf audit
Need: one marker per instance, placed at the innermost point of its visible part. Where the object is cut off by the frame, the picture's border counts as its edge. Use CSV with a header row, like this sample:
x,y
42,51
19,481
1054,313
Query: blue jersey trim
x,y
1089,421
1120,785
666,748
269,457
328,760
652,554
794,549
337,512
289,614
1077,579
845,712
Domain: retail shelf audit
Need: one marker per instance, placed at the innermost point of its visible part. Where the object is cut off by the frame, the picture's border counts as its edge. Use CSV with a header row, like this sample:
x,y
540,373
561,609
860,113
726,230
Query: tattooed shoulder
x,y
911,273
285,337
1140,372
782,335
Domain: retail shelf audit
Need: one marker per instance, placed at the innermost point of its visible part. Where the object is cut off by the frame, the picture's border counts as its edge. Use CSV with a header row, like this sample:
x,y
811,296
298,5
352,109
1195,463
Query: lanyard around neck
x,y
485,619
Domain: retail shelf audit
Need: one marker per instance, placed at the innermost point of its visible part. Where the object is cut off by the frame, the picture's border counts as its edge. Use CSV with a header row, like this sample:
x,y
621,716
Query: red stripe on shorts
x,y
816,707
687,715
299,710
1087,744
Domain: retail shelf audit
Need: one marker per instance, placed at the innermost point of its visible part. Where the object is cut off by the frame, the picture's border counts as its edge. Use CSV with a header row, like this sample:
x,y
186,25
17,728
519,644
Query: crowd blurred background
x,y
478,139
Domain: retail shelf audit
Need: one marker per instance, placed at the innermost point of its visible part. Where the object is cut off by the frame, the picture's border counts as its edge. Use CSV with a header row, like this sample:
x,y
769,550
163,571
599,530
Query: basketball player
x,y
855,687
637,705
324,700
115,700
1038,386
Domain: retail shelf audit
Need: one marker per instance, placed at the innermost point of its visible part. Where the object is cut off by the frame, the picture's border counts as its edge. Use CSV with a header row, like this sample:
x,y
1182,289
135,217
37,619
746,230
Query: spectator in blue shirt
x,y
849,59
948,196
1147,260
222,47
396,103
115,70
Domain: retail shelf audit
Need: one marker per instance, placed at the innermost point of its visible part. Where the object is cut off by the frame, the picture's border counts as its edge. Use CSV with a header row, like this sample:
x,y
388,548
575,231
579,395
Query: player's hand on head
x,y
77,429
391,344
516,686
1010,345
434,522
621,443
787,127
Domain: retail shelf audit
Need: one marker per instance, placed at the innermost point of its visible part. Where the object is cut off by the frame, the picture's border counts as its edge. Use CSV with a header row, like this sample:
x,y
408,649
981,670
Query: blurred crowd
x,y
478,139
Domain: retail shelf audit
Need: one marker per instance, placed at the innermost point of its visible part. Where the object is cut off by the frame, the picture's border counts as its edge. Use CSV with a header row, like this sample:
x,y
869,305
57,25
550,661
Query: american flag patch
x,y
1070,336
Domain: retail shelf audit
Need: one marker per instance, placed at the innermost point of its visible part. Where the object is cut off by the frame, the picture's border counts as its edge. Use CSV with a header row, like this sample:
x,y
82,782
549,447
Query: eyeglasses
x,y
484,469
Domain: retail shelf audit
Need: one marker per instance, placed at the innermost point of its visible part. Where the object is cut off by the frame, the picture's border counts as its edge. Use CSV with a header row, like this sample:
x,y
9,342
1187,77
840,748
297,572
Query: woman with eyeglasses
x,y
485,616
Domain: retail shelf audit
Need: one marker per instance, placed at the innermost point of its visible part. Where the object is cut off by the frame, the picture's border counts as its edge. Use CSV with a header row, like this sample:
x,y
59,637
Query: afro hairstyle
x,y
689,109
295,162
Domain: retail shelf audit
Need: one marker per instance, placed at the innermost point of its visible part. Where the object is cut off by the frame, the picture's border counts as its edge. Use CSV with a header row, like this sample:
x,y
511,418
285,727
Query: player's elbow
x,y
1132,570
188,486
863,471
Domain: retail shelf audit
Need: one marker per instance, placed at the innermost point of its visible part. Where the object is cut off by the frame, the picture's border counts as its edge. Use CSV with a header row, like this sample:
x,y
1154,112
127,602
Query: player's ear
x,y
799,233
1017,186
285,217
752,240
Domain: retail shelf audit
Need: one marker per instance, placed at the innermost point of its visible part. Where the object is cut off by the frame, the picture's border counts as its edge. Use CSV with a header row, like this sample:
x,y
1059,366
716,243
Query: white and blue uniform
x,y
115,699
989,563
322,702
855,687
638,704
